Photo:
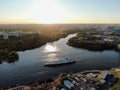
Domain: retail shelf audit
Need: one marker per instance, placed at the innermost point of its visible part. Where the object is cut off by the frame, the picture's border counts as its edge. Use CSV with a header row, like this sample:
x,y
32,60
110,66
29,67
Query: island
x,y
96,40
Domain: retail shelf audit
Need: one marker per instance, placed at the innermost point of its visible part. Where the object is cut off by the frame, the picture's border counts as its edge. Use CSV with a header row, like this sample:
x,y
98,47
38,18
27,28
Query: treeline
x,y
8,55
91,45
23,43
28,42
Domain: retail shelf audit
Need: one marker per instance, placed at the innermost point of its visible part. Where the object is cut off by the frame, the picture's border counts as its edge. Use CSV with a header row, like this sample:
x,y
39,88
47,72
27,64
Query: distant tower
x,y
17,34
5,36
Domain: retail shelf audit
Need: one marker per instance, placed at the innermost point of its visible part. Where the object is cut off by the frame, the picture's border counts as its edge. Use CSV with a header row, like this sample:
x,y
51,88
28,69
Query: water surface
x,y
30,66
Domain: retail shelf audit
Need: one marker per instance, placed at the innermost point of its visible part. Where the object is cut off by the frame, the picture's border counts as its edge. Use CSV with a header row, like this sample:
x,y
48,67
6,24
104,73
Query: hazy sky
x,y
59,11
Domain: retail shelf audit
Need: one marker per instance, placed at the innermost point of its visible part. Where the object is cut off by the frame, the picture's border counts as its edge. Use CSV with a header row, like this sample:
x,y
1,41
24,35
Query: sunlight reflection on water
x,y
50,47
52,52
52,57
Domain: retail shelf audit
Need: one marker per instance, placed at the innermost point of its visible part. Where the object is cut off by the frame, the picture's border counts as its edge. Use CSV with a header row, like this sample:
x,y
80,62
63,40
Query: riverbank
x,y
90,79
29,42
8,55
96,41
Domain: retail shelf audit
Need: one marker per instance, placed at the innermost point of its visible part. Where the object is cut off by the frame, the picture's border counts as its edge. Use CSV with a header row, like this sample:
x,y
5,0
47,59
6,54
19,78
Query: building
x,y
6,35
105,74
91,75
68,85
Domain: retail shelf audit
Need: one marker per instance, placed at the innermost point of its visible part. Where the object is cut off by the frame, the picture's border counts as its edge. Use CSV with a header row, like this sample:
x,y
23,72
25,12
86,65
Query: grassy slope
x,y
116,71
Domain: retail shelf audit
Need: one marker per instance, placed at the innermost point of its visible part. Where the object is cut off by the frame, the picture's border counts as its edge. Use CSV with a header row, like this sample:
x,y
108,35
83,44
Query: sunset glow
x,y
59,11
47,12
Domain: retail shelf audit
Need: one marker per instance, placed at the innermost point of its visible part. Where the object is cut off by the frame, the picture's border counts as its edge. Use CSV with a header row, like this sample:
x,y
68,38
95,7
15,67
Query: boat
x,y
60,62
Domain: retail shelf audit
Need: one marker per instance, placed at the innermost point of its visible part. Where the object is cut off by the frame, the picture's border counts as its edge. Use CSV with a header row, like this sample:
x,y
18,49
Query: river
x,y
30,66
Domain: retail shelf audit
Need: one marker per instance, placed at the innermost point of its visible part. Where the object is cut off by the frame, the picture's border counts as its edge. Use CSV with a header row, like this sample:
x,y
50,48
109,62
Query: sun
x,y
48,11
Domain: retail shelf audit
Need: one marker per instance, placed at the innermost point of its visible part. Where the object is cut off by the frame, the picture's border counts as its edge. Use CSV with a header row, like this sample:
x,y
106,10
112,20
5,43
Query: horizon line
x,y
54,23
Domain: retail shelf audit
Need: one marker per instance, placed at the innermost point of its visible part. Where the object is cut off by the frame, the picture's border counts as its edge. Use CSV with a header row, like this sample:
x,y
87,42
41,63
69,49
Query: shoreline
x,y
49,80
38,44
97,41
50,83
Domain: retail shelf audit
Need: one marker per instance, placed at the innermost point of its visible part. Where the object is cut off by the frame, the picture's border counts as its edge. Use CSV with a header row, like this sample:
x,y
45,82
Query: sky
x,y
59,11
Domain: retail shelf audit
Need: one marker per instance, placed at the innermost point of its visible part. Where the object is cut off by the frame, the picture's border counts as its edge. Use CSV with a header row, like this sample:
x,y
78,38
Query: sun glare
x,y
48,11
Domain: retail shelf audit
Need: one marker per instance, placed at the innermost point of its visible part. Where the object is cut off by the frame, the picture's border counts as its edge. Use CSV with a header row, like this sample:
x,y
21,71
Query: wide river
x,y
30,66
